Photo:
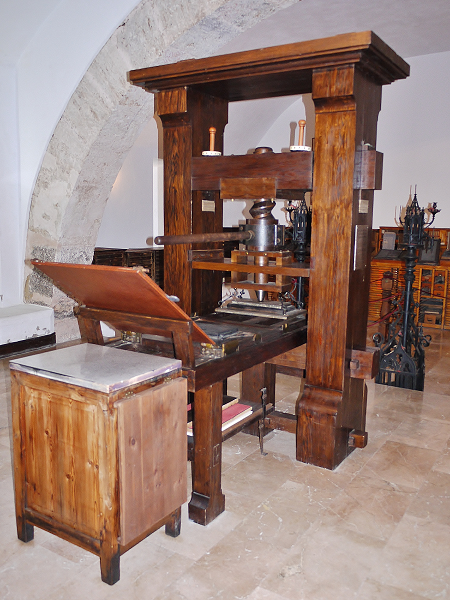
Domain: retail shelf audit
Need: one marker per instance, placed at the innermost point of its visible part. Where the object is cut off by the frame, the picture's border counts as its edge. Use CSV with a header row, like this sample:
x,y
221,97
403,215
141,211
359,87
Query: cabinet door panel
x,y
152,456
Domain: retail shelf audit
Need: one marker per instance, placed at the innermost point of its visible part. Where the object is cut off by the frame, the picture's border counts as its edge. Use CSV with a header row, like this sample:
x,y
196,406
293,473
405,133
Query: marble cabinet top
x,y
100,368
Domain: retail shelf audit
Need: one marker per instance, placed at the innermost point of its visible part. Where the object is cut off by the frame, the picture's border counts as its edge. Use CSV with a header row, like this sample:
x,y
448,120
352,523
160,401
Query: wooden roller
x,y
301,131
212,143
212,138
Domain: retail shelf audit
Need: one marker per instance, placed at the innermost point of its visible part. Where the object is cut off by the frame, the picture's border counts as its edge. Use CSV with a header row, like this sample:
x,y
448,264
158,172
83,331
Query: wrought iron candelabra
x,y
402,358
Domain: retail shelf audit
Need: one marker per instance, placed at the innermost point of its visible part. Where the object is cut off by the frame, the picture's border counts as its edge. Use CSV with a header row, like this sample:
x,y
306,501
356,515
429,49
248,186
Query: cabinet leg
x,y
109,564
207,501
173,525
25,531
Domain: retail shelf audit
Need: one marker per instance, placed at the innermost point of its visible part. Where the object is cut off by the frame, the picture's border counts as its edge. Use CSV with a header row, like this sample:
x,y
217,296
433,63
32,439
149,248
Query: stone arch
x,y
101,122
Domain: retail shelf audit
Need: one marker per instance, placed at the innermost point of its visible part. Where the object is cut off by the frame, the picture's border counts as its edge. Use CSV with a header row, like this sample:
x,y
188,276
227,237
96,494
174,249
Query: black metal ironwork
x,y
402,358
300,218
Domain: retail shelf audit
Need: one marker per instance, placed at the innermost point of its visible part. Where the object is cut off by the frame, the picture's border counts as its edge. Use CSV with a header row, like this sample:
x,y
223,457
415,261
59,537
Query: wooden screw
x,y
212,138
301,131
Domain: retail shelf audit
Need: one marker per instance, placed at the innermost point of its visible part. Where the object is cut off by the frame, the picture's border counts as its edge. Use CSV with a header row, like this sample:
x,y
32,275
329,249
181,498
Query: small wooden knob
x,y
212,138
262,150
301,131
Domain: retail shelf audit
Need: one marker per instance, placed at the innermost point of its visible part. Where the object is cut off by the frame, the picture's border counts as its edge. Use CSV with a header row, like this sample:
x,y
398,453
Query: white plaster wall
x,y
51,67
39,70
127,220
414,135
10,255
19,21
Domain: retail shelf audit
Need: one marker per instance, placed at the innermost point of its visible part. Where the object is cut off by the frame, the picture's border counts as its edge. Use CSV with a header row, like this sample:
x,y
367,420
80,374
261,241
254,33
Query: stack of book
x,y
232,413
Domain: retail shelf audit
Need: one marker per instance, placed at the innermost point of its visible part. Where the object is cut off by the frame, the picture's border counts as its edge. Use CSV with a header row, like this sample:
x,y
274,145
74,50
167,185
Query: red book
x,y
234,413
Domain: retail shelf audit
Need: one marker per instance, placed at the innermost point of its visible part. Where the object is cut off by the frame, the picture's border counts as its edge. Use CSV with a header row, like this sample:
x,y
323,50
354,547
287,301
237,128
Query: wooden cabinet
x,y
396,269
441,234
431,291
99,447
432,287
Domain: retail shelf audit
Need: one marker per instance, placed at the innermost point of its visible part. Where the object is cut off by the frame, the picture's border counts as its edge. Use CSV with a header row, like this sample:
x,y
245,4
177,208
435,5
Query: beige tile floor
x,y
378,527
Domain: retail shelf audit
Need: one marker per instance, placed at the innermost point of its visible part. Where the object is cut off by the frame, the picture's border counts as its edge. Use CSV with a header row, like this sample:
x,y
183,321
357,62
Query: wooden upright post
x,y
347,105
186,116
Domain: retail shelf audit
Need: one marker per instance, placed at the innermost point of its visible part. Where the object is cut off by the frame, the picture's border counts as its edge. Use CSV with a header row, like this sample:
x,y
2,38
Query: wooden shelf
x,y
432,282
424,287
257,413
435,232
378,268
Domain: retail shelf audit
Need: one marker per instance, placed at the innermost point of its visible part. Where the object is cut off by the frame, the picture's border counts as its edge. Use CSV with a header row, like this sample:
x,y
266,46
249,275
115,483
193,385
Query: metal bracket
x,y
261,420
357,438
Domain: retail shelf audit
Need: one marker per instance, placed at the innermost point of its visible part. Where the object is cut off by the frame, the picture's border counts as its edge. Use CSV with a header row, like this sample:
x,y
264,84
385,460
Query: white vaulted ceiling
x,y
412,27
71,35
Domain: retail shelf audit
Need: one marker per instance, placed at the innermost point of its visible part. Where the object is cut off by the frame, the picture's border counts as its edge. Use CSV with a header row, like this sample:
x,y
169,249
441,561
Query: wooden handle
x,y
198,238
212,138
301,131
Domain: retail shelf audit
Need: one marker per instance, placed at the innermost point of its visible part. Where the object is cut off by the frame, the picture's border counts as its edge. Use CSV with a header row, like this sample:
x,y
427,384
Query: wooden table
x,y
263,339
205,381
127,299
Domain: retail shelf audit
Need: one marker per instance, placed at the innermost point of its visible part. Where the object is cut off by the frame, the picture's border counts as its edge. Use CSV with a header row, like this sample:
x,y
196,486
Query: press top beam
x,y
277,70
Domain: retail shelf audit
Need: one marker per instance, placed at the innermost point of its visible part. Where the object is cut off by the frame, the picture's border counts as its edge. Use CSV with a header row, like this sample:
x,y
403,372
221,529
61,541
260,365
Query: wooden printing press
x,y
345,75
